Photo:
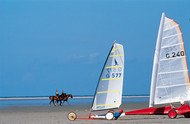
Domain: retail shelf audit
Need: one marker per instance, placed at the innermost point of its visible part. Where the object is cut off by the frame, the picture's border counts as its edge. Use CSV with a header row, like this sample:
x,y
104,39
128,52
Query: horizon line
x,y
75,97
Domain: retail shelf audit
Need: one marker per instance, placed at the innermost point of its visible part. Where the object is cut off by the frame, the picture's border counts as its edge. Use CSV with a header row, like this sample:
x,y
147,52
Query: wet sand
x,y
58,115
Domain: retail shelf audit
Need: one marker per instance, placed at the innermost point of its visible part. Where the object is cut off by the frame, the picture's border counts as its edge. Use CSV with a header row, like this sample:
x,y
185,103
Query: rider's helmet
x,y
121,111
182,103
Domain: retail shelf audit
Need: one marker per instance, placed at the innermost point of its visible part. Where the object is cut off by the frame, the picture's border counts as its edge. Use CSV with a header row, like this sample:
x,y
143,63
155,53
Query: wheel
x,y
187,115
172,114
109,116
72,116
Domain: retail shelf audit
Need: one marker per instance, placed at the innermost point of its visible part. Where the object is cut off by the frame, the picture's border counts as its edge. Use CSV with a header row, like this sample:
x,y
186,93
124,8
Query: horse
x,y
57,99
66,98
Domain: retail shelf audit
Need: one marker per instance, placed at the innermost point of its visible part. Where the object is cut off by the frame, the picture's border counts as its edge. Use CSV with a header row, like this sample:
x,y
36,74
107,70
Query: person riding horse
x,y
57,94
63,97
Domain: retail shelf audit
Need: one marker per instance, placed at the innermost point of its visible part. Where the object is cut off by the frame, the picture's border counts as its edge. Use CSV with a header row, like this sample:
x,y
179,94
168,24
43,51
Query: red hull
x,y
159,111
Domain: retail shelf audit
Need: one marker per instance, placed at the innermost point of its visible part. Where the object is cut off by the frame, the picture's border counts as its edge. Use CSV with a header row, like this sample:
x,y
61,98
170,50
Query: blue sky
x,y
48,45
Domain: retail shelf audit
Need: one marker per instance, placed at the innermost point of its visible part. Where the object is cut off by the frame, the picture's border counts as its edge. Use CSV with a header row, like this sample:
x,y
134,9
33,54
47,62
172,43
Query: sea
x,y
76,100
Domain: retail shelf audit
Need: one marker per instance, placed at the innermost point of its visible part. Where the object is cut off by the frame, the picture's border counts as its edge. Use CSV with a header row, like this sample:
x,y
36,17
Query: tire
x,y
109,116
187,115
172,114
72,116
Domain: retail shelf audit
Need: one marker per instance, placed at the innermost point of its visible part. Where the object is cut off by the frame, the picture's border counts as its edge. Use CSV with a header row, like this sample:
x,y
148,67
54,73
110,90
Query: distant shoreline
x,y
75,97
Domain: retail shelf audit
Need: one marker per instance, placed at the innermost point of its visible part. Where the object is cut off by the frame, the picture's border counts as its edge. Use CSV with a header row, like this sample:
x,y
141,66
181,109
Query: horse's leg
x,y
63,101
50,103
54,103
68,102
60,103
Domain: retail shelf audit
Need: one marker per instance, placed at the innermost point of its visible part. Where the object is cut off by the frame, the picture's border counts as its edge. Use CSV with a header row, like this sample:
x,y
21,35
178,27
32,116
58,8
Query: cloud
x,y
88,59
94,55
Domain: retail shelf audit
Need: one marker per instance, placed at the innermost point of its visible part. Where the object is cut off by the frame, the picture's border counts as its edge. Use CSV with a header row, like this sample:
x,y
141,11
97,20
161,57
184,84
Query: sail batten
x,y
171,79
172,36
109,90
172,45
173,85
171,27
173,72
172,58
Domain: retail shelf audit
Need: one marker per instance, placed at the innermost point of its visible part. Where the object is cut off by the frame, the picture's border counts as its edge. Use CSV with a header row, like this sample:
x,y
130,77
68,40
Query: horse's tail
x,y
50,97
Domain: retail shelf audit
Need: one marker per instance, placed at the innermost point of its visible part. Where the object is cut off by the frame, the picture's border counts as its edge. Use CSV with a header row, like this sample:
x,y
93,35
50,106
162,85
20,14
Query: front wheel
x,y
72,116
172,114
109,116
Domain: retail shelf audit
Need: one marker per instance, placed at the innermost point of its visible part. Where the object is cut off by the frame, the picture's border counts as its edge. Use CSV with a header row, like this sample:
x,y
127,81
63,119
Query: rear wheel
x,y
109,116
72,116
172,114
187,115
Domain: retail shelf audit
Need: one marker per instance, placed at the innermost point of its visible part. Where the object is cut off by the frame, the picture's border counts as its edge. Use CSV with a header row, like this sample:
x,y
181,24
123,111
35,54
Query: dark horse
x,y
57,98
66,98
63,97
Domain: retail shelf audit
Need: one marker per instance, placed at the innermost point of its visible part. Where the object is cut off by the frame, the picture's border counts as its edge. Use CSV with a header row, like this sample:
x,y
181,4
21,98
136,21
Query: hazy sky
x,y
48,45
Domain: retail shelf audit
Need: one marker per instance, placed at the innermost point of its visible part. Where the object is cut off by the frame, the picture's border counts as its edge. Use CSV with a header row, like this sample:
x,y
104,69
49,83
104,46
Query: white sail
x,y
170,83
109,90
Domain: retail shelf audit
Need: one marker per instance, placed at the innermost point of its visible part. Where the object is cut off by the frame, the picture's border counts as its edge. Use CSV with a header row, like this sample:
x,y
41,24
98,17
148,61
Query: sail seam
x,y
171,27
171,36
111,78
173,85
172,72
173,58
107,104
114,66
116,55
110,91
116,48
172,45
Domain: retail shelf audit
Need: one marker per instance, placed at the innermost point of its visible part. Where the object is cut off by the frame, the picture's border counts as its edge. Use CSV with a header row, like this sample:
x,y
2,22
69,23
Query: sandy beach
x,y
45,114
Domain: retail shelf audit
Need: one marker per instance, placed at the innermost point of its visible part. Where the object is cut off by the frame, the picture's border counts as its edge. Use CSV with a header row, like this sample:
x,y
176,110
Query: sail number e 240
x,y
174,54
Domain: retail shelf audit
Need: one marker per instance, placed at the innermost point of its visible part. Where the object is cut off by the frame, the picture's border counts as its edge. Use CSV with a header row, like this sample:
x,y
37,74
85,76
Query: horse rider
x,y
57,94
63,94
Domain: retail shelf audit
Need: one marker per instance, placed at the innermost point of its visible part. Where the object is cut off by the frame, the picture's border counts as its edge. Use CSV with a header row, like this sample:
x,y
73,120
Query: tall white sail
x,y
109,90
170,82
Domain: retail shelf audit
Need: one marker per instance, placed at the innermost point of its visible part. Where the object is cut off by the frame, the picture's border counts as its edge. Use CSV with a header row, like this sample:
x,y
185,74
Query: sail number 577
x,y
113,75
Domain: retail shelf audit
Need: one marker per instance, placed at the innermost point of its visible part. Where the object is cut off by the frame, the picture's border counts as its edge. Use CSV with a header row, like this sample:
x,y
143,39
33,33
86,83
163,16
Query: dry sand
x,y
58,115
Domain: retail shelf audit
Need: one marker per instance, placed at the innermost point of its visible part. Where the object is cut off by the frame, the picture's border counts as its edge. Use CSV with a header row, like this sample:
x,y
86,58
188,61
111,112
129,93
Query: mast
x,y
156,60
